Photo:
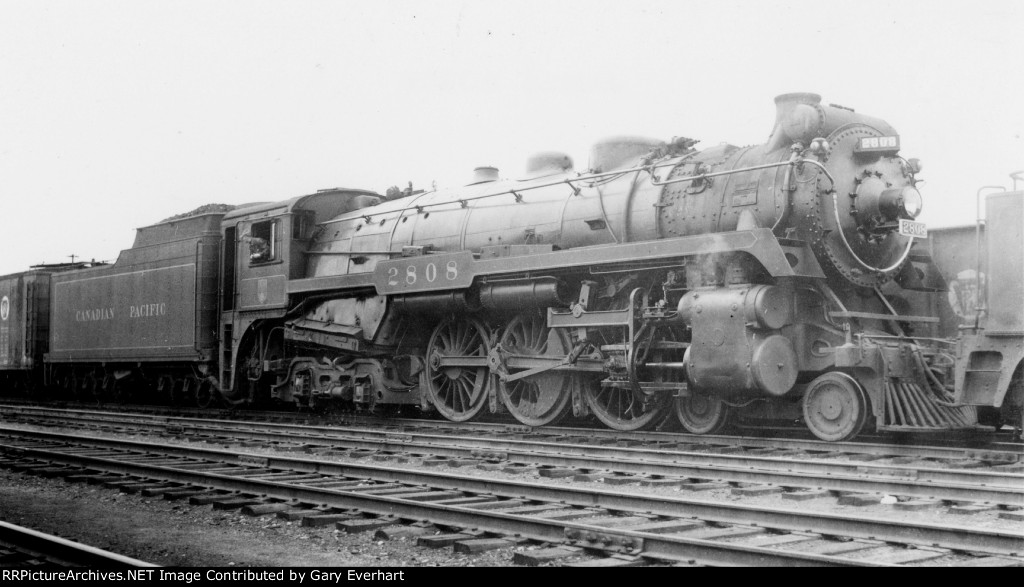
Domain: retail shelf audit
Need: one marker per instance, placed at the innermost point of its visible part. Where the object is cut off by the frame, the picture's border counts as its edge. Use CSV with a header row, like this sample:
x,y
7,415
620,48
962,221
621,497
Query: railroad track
x,y
938,445
979,448
973,480
625,526
24,549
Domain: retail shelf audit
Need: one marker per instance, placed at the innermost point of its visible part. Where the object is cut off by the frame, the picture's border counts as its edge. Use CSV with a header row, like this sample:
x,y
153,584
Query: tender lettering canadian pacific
x,y
134,311
147,310
94,314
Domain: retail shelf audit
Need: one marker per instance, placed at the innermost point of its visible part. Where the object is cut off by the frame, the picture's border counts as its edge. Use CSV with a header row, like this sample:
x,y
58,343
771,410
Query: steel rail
x,y
860,447
64,550
864,527
978,486
887,479
648,544
1005,452
590,456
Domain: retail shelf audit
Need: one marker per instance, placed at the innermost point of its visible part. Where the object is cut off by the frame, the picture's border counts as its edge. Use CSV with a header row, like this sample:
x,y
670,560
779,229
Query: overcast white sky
x,y
117,114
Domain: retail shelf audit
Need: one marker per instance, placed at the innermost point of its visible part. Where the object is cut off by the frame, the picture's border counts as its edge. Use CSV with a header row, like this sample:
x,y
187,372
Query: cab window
x,y
263,242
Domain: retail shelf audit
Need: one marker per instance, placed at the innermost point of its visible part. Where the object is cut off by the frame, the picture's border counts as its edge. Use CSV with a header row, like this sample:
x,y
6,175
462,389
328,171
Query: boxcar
x,y
24,322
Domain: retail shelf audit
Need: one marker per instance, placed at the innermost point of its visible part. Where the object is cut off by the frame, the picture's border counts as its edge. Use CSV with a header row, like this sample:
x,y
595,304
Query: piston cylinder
x,y
760,306
736,345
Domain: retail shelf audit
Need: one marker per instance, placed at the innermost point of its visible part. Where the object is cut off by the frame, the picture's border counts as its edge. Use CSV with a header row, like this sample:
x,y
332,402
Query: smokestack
x,y
797,118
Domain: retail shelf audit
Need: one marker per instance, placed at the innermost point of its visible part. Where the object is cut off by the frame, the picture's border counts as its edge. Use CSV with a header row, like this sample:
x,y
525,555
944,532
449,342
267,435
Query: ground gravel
x,y
177,534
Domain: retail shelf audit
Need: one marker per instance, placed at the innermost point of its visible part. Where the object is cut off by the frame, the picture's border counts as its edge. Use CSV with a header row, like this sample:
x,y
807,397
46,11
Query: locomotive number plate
x,y
424,273
913,229
878,144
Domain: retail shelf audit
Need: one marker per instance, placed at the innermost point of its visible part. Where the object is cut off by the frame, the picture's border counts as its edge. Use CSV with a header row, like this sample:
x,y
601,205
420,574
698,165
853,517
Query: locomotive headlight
x,y
904,202
912,201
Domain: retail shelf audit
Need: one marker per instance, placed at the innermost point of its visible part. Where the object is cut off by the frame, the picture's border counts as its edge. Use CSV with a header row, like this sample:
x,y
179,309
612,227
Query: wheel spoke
x,y
462,339
444,343
624,409
458,392
543,398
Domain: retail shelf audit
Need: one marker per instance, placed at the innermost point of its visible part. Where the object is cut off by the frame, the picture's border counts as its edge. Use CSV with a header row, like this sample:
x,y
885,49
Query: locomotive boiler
x,y
776,283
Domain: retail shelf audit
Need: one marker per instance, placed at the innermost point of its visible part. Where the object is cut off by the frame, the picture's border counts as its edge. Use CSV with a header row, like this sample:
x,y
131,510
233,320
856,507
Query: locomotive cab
x,y
266,245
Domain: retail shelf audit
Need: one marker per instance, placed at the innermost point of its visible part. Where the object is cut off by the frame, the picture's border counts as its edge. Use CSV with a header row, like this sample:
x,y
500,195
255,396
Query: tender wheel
x,y
624,409
90,388
544,398
31,387
115,390
835,407
206,392
701,413
119,392
180,391
72,387
457,372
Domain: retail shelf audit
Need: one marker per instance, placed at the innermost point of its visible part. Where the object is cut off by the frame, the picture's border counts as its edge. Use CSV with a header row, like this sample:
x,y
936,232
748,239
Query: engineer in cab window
x,y
259,250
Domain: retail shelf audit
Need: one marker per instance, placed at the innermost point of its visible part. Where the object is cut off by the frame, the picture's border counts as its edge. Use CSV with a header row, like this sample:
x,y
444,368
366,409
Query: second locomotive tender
x,y
769,282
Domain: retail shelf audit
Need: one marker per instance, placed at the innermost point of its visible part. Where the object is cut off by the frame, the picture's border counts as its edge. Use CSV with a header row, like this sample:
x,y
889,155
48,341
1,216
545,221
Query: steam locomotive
x,y
787,282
